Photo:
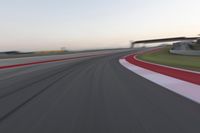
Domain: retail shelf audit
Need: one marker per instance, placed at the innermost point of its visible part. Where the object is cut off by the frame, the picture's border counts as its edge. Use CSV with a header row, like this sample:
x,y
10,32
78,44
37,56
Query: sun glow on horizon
x,y
46,25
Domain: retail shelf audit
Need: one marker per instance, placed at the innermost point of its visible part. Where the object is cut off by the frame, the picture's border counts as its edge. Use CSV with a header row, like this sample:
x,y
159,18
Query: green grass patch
x,y
165,58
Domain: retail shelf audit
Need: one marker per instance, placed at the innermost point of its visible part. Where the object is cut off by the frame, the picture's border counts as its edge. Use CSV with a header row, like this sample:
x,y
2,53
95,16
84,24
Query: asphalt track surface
x,y
92,95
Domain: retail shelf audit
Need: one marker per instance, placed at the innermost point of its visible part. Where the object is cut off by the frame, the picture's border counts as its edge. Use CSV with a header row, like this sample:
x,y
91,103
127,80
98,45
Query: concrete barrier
x,y
186,52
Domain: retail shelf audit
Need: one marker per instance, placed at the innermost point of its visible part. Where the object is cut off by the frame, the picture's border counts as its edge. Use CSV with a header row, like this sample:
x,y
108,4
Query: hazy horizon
x,y
92,24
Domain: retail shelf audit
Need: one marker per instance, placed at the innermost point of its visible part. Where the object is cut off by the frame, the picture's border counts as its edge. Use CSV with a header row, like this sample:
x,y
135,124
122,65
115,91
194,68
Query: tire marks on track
x,y
61,74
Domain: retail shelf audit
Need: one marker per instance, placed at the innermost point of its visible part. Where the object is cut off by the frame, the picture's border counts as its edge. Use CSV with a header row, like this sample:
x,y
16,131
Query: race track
x,y
90,95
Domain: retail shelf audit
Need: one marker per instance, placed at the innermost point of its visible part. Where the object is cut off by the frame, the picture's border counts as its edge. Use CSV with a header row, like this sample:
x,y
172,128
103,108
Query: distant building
x,y
186,48
12,52
198,42
184,45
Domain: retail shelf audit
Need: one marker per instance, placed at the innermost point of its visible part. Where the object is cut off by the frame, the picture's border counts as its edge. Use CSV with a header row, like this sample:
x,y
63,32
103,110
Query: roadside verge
x,y
182,74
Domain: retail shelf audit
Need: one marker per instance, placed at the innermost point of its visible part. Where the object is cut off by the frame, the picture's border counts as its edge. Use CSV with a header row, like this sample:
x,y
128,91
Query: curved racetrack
x,y
91,95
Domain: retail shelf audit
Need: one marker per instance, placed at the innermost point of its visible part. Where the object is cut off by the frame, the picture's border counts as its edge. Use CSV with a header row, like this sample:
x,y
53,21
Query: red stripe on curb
x,y
46,61
176,73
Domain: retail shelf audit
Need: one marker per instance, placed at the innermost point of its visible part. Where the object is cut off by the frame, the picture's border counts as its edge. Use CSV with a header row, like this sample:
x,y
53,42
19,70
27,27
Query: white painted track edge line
x,y
183,88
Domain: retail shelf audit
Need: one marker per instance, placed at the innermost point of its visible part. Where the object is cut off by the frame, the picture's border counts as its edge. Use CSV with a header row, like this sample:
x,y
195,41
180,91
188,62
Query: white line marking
x,y
186,89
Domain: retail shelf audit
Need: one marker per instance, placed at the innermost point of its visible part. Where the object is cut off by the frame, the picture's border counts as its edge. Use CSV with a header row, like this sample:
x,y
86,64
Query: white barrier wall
x,y
186,52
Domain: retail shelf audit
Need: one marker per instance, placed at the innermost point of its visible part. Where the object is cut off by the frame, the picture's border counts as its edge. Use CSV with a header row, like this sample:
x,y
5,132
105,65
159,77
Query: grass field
x,y
164,57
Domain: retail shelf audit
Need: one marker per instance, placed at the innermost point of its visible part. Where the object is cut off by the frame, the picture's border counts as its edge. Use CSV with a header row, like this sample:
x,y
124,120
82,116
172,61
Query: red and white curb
x,y
187,89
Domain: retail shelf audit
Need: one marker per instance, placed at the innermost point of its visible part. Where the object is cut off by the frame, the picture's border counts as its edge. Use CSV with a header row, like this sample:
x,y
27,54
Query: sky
x,y
32,25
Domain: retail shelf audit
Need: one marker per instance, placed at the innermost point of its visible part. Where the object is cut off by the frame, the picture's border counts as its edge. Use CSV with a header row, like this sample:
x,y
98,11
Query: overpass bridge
x,y
163,40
